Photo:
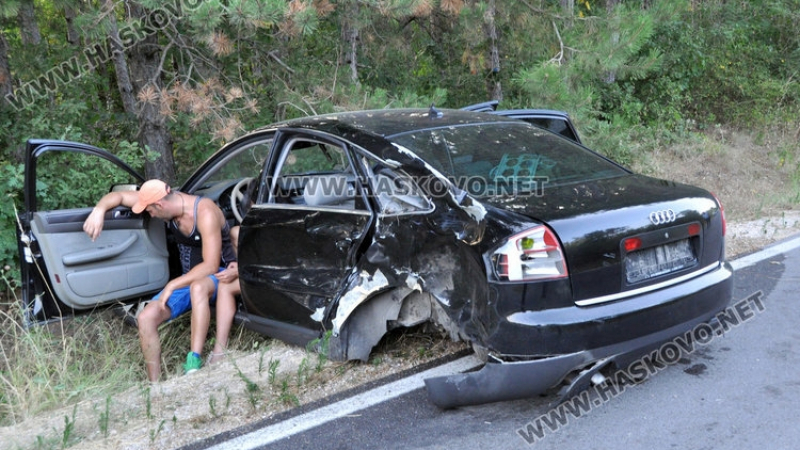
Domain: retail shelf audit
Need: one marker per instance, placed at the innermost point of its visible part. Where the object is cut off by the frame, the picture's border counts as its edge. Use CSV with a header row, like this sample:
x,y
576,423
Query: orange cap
x,y
150,192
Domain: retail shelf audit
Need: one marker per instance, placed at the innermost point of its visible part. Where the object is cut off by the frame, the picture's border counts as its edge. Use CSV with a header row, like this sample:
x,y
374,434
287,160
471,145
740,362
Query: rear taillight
x,y
694,229
632,244
532,255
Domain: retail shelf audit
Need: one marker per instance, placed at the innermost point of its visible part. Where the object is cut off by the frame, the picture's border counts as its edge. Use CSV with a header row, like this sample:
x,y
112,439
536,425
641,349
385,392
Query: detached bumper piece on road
x,y
502,381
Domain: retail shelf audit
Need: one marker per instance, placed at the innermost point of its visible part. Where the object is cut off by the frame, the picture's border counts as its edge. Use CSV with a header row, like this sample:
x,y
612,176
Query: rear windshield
x,y
477,157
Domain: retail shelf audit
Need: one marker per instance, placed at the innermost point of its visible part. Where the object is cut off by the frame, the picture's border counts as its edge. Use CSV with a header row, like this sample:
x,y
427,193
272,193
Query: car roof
x,y
390,122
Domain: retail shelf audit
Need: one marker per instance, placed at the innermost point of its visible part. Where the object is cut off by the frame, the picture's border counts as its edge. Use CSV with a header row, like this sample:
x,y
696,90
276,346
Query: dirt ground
x,y
754,179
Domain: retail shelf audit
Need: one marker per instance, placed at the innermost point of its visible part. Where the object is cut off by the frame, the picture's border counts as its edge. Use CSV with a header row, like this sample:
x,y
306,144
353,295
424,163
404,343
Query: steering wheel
x,y
237,195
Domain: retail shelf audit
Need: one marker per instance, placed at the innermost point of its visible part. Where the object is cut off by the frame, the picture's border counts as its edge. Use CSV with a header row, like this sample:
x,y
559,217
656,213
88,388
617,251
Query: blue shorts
x,y
180,301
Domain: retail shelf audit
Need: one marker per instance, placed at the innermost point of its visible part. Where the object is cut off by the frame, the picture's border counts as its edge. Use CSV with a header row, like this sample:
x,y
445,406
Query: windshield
x,y
485,158
242,162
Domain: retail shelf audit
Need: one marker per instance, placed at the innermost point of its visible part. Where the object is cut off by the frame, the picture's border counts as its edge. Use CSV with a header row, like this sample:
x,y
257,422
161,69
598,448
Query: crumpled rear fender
x,y
401,307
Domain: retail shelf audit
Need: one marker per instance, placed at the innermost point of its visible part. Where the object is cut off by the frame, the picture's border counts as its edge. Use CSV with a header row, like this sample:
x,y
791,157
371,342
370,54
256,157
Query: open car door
x,y
63,271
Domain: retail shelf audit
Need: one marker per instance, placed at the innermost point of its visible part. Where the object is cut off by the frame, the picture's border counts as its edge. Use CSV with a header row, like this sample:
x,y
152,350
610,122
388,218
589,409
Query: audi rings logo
x,y
663,217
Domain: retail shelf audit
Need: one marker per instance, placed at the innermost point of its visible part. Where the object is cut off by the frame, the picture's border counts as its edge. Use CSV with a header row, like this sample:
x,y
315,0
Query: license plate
x,y
661,260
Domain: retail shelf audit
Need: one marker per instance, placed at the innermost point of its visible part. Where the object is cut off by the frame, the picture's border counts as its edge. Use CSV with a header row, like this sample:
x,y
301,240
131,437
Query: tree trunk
x,y
350,36
145,70
611,75
29,29
490,28
73,37
120,64
568,6
6,85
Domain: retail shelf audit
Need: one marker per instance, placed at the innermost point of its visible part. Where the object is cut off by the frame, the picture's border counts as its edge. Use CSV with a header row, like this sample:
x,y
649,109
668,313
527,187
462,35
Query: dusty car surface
x,y
553,261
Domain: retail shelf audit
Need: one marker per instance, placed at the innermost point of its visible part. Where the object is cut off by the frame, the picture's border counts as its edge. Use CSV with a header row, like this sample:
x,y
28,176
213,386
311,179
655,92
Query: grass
x,y
94,409
91,356
83,359
252,389
46,367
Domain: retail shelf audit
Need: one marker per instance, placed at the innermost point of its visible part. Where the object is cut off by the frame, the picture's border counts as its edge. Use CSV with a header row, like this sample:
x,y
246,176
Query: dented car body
x,y
554,262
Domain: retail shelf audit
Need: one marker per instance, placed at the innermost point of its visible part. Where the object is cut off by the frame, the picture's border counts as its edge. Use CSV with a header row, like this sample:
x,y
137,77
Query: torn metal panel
x,y
429,254
507,379
367,286
366,326
408,255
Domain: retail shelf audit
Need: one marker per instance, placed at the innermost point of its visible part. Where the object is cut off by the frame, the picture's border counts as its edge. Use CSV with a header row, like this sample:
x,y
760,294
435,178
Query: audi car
x,y
552,261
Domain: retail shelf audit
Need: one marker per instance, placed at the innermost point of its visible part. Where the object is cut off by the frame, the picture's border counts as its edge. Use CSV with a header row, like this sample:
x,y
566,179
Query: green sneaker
x,y
193,363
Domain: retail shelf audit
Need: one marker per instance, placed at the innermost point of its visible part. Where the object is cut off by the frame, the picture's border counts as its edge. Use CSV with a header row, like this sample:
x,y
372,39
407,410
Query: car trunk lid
x,y
627,233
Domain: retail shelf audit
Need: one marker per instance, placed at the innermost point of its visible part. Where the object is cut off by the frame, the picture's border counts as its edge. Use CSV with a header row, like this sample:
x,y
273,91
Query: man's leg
x,y
226,309
148,321
202,292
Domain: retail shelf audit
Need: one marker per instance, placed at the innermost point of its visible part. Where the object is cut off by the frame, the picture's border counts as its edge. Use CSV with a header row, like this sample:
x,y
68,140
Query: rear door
x,y
63,272
299,240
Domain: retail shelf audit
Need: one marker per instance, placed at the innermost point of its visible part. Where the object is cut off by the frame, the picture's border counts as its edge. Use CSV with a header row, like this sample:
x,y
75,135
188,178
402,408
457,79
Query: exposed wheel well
x,y
386,311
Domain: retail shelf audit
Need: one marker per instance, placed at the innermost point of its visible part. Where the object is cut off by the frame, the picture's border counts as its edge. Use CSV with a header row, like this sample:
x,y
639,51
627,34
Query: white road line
x,y
403,386
766,253
344,407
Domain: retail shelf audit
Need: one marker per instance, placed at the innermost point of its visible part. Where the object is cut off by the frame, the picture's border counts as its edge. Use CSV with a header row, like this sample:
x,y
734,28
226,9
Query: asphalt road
x,y
732,389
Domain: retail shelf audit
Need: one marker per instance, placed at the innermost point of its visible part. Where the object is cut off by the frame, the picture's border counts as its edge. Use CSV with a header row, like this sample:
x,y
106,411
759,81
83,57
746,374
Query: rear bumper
x,y
582,339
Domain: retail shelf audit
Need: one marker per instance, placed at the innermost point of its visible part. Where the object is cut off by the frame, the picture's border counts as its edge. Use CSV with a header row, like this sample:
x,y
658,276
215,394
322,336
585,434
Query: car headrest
x,y
330,189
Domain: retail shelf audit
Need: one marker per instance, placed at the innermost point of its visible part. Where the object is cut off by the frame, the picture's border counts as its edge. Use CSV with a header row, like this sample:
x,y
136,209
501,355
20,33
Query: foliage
x,y
724,65
10,191
625,70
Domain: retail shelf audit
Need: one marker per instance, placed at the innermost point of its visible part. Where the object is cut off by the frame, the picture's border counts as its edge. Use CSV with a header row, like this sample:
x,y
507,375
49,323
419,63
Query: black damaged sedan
x,y
554,262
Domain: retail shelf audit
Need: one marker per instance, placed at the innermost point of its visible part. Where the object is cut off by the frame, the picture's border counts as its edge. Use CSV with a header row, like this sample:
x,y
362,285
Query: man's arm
x,y
94,223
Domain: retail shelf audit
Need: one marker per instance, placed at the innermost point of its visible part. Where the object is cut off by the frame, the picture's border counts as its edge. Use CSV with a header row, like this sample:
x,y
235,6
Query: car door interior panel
x,y
127,259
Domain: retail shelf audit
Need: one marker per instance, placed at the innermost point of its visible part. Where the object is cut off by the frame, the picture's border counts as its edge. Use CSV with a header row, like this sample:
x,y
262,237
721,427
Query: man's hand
x,y
94,223
163,297
229,274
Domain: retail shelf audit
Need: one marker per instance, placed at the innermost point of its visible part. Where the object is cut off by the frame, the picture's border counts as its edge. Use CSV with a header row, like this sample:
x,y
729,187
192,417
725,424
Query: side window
x,y
244,162
394,191
308,157
317,174
76,180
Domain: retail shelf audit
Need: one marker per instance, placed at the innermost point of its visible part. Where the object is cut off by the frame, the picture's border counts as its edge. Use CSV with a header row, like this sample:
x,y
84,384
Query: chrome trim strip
x,y
652,287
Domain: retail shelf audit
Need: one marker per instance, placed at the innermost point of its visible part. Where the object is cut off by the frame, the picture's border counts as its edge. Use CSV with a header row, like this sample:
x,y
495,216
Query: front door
x,y
63,271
